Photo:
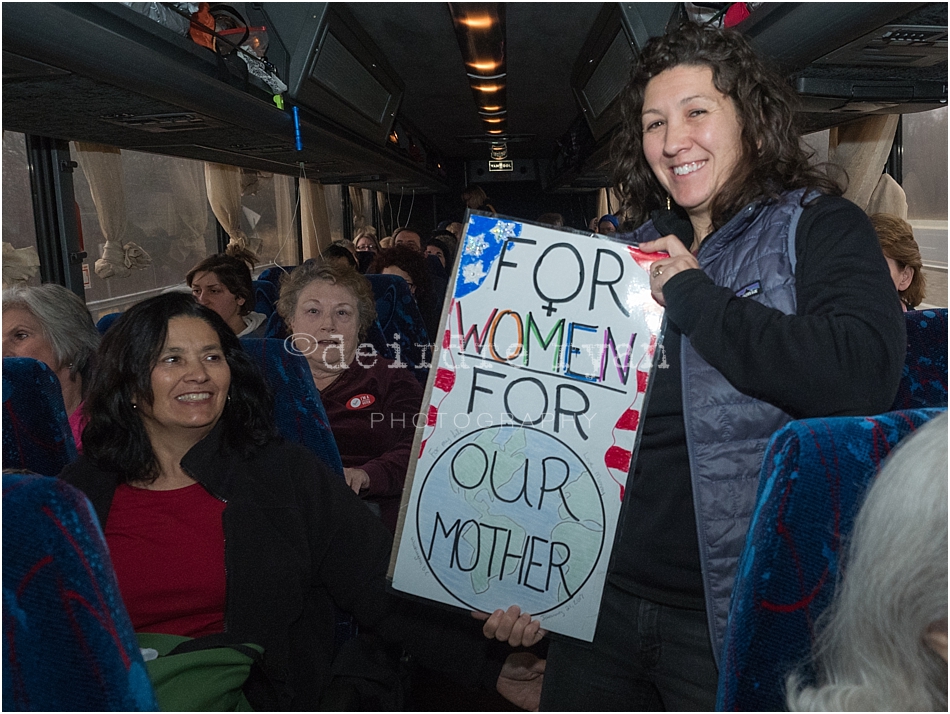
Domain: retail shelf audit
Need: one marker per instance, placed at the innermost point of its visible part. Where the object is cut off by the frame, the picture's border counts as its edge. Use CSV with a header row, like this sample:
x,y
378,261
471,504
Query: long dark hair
x,y
115,437
772,159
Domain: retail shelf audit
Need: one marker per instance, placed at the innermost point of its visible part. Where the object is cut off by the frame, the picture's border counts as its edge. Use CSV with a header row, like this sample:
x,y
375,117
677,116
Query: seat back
x,y
273,275
924,380
812,483
265,297
36,433
105,322
298,412
68,643
399,323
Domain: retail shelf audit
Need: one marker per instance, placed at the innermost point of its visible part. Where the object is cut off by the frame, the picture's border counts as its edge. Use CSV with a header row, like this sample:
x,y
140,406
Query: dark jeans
x,y
644,657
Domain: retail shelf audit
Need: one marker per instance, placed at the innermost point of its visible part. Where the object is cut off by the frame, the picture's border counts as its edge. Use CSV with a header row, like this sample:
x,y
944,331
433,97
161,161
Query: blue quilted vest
x,y
727,431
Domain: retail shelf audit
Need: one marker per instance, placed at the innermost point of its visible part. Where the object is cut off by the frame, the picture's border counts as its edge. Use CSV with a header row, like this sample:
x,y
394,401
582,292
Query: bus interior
x,y
141,138
390,109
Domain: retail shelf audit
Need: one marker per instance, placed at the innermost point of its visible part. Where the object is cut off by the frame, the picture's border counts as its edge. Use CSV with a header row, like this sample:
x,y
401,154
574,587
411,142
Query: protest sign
x,y
531,421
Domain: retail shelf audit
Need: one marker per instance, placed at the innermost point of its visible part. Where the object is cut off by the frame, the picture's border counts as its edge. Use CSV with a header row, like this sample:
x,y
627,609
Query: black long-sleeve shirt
x,y
840,354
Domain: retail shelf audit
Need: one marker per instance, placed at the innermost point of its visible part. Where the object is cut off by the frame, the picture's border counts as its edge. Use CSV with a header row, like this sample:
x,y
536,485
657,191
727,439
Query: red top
x,y
167,548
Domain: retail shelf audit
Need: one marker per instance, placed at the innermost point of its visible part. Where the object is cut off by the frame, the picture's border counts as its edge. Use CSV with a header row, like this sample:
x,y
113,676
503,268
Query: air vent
x,y
264,150
898,45
339,71
162,123
610,76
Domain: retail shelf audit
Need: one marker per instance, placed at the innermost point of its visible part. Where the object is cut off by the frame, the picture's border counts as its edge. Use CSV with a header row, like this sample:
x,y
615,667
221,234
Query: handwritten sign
x,y
531,422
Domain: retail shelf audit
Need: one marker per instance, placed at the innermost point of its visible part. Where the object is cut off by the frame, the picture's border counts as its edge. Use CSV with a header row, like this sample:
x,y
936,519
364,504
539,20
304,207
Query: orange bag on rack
x,y
203,18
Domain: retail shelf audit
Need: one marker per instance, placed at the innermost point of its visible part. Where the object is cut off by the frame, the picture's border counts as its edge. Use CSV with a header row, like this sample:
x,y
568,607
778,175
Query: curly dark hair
x,y
413,262
233,269
772,159
115,437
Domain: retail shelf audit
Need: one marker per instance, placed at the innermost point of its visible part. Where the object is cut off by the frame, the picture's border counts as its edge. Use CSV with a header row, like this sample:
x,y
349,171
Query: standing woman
x,y
778,306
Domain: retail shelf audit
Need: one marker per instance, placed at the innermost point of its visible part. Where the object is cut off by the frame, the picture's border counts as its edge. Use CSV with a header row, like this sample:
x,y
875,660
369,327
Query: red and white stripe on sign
x,y
443,384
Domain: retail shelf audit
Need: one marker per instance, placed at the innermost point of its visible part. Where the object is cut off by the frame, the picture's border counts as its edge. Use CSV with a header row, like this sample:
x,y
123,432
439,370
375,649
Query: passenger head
x,y
608,224
751,149
407,264
440,248
223,283
882,644
408,238
128,388
365,240
455,228
551,219
385,242
329,310
474,197
339,256
313,274
903,257
51,324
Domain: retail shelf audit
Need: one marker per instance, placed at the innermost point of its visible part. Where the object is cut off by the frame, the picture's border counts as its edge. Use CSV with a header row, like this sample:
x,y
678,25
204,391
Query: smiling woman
x,y
778,306
218,528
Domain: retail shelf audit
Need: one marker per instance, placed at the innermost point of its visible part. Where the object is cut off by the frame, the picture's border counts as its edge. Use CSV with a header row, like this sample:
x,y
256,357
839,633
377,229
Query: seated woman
x,y
427,289
51,324
215,525
223,283
883,640
903,258
370,402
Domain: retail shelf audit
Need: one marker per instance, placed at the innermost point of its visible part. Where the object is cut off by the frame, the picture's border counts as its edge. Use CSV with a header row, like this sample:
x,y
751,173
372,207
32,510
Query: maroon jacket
x,y
371,411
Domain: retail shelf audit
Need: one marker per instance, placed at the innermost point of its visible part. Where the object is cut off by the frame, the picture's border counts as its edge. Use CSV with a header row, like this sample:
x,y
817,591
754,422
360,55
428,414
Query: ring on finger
x,y
657,272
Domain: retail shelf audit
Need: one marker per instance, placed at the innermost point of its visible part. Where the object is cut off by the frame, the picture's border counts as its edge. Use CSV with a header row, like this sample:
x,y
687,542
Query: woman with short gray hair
x,y
51,324
883,644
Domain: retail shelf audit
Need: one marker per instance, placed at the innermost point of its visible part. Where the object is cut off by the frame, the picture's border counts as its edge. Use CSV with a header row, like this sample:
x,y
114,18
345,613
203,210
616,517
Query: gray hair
x,y
870,654
293,283
67,324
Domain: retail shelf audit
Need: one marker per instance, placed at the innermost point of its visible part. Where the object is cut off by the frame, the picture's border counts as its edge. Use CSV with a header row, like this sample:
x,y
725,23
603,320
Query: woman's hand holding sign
x,y
511,626
678,259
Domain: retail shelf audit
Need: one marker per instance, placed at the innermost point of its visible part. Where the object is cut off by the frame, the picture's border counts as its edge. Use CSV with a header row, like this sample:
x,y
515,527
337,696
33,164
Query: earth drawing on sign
x,y
510,514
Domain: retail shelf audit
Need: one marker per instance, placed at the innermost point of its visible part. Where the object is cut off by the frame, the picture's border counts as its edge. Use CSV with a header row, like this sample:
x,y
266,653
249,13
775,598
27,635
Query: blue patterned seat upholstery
x,y
36,433
298,412
68,644
265,297
106,321
274,274
924,380
400,323
813,480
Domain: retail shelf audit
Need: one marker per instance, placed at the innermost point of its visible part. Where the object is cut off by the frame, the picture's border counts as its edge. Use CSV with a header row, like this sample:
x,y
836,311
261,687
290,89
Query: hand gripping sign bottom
x,y
510,514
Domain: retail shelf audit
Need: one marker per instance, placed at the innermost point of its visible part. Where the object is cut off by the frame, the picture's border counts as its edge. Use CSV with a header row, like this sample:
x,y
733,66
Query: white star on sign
x,y
474,272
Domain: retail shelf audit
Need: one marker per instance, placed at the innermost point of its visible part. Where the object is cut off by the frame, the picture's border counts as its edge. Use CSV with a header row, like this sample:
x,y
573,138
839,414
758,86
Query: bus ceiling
x,y
411,96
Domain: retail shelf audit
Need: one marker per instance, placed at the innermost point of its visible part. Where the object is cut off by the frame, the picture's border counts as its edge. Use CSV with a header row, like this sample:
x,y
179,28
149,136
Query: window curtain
x,y
356,204
102,166
861,148
19,265
223,184
191,204
315,219
608,201
286,220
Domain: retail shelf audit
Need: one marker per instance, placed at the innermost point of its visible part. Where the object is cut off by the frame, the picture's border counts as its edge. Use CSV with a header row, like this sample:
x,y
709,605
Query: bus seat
x,y
273,275
106,321
924,380
36,433
276,328
401,323
68,642
265,297
813,479
298,412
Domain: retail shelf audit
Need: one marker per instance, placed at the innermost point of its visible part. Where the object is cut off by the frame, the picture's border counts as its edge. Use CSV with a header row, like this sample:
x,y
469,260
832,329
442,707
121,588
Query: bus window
x,y
925,182
19,228
167,214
